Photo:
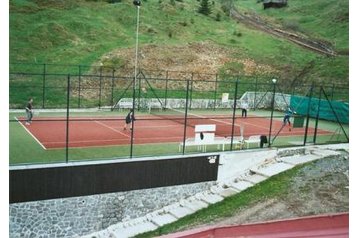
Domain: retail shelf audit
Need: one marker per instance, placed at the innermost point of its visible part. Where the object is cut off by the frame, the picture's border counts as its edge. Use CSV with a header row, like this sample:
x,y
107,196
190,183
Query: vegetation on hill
x,y
83,32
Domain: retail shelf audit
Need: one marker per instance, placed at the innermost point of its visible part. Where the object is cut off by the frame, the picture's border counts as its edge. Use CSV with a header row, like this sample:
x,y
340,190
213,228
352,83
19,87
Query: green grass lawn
x,y
25,150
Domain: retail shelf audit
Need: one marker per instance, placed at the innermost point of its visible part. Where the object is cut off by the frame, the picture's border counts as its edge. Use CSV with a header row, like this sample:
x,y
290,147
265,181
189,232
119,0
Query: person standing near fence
x,y
29,111
244,107
129,119
286,118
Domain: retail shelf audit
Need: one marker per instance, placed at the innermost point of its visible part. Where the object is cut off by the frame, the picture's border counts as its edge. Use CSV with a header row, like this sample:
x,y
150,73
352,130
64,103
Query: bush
x,y
218,17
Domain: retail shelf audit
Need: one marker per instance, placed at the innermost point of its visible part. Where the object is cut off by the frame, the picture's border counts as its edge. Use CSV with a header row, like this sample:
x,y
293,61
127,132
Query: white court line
x,y
111,128
31,134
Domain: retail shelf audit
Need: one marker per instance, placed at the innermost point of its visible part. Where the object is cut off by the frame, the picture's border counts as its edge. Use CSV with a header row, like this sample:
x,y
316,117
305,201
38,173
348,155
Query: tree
x,y
205,7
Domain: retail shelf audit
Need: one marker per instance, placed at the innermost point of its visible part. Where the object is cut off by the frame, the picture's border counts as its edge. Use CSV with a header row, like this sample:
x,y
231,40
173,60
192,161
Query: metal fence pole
x,y
133,107
272,109
191,89
186,114
67,116
79,86
112,87
216,90
255,93
234,115
100,88
308,115
43,85
166,90
317,115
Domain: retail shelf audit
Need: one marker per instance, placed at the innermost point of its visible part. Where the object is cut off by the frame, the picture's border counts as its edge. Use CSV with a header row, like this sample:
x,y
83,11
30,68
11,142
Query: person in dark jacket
x,y
129,119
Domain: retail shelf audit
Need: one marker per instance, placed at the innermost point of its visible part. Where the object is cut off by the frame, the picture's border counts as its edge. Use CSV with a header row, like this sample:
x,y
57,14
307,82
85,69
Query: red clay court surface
x,y
50,132
324,226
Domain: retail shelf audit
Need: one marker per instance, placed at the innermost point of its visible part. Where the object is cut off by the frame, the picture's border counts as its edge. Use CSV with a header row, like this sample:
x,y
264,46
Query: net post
x,y
186,114
43,85
79,87
67,116
317,115
233,115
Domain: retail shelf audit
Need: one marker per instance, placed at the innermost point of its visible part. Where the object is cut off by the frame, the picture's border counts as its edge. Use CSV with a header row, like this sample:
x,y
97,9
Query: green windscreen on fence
x,y
340,109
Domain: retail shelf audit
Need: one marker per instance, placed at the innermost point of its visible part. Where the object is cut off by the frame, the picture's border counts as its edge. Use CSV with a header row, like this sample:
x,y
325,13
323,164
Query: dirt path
x,y
299,39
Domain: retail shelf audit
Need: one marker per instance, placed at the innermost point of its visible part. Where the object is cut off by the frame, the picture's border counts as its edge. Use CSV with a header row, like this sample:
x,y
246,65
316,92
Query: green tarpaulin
x,y
340,109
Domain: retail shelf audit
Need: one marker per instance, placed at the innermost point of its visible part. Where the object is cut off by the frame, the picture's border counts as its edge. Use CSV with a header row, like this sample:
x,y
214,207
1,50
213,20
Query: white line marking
x,y
31,134
111,128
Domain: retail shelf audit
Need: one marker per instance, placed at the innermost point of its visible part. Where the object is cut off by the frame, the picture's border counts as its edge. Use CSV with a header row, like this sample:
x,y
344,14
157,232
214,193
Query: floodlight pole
x,y
272,108
137,4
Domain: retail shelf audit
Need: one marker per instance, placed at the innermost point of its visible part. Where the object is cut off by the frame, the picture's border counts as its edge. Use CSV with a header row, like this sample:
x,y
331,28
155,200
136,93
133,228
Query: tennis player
x,y
286,118
244,107
129,119
29,112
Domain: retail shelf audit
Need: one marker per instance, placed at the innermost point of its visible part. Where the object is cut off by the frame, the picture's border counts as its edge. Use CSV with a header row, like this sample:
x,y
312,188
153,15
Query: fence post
x,y
272,109
112,86
308,115
133,107
317,115
186,114
166,90
79,86
139,91
191,89
67,116
234,115
100,87
43,85
216,90
255,93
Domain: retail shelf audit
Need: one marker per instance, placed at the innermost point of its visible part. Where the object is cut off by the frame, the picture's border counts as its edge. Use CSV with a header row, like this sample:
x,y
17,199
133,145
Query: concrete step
x,y
161,220
272,169
193,204
180,212
299,159
241,185
255,178
223,192
133,230
324,153
211,198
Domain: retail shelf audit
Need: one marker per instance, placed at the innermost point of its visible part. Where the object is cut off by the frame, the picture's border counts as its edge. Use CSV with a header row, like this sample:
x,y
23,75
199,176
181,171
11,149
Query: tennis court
x,y
50,132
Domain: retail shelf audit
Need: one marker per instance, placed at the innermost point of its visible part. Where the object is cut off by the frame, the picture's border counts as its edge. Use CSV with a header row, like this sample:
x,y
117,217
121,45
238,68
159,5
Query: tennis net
x,y
224,123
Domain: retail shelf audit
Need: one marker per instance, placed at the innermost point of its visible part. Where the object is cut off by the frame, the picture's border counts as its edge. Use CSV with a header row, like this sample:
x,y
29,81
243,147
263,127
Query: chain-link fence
x,y
81,114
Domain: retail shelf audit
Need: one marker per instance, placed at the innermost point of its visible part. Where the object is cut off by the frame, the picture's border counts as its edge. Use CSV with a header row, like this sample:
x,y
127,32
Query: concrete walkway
x,y
237,172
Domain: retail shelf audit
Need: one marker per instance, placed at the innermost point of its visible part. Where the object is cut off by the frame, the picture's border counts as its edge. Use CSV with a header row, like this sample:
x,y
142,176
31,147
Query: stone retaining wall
x,y
73,217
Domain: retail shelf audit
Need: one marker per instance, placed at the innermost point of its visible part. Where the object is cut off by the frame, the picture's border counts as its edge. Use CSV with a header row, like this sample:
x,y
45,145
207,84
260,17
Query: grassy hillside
x,y
81,32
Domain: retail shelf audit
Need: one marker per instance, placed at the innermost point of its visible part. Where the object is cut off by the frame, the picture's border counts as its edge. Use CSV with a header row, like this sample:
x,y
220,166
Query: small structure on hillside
x,y
274,3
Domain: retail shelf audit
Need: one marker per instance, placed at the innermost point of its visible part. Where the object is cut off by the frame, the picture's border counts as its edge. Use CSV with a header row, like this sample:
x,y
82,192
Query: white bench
x,y
253,140
209,138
